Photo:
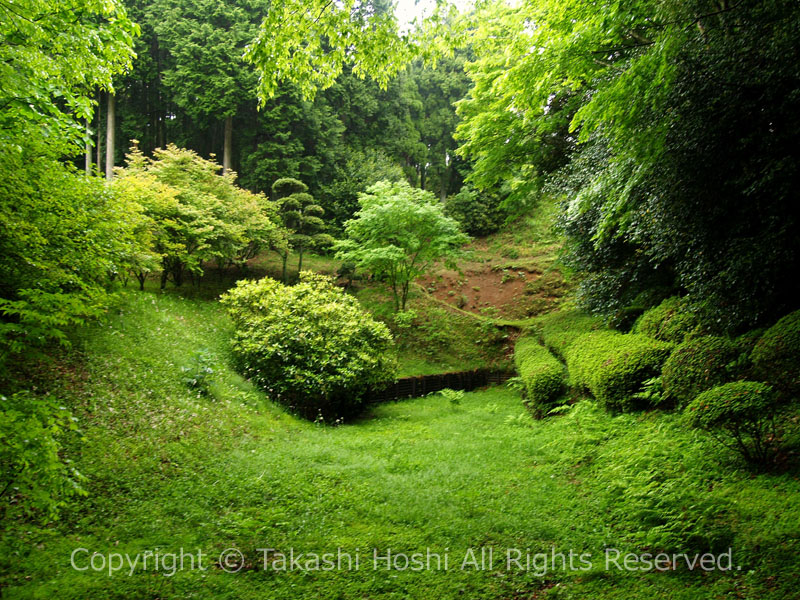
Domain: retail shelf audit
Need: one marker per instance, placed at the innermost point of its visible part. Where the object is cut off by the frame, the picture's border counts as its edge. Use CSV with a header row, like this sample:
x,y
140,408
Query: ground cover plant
x,y
542,374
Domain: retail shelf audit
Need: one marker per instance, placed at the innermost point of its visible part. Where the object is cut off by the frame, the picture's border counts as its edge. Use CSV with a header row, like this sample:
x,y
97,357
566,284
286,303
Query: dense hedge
x,y
697,365
776,356
740,415
558,330
542,374
613,366
670,321
312,346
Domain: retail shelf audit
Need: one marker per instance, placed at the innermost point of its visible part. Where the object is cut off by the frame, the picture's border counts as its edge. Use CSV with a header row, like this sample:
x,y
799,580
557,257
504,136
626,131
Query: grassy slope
x,y
169,470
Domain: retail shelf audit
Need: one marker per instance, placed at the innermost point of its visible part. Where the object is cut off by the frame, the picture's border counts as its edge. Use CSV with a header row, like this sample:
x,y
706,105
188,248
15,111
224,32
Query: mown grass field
x,y
168,469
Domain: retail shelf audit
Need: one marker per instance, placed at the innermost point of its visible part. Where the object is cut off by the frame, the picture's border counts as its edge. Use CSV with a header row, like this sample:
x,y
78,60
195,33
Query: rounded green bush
x,y
542,374
740,414
558,330
697,365
310,345
776,356
613,366
670,321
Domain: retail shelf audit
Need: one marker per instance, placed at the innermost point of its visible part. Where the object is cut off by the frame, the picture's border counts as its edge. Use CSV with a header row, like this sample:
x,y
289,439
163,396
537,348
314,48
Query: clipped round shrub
x,y
542,374
311,346
748,340
559,329
613,366
740,415
697,365
776,356
670,321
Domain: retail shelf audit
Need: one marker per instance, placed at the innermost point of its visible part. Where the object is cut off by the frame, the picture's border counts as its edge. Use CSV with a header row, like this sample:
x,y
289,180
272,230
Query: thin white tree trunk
x,y
110,122
99,149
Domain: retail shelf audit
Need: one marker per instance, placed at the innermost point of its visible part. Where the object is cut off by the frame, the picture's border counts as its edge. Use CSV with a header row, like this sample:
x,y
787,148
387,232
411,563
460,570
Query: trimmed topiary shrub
x,y
310,345
558,330
740,415
776,356
613,366
670,321
542,374
697,365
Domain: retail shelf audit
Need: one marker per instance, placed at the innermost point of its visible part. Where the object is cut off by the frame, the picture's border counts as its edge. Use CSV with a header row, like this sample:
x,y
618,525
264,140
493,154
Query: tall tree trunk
x,y
99,148
111,114
88,146
300,262
227,145
161,109
445,178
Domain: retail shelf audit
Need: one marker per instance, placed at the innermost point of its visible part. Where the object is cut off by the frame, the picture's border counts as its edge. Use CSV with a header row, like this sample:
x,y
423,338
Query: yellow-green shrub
x,y
558,330
312,346
542,374
613,366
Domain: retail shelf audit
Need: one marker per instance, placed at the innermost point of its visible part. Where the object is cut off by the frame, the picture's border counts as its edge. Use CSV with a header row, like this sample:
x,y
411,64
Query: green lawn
x,y
169,470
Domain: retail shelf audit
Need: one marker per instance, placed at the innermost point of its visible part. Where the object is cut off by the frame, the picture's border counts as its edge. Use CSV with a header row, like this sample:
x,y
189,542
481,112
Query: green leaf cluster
x,y
613,366
35,479
740,415
194,214
697,365
397,234
310,346
776,356
542,374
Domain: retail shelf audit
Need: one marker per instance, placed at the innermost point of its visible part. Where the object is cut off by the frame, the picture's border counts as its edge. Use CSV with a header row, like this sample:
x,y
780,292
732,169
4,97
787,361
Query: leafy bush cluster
x,y
31,467
613,366
740,415
670,321
190,215
558,330
310,345
776,356
478,213
697,365
542,374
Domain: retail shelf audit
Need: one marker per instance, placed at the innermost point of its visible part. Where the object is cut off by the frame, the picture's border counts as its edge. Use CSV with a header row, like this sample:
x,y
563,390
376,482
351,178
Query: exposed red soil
x,y
478,287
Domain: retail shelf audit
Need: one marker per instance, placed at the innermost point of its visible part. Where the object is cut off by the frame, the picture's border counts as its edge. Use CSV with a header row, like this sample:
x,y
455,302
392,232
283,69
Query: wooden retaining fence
x,y
413,387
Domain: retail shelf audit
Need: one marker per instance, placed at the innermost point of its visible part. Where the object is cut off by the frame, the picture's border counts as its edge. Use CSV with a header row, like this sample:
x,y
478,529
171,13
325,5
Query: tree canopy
x,y
398,232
